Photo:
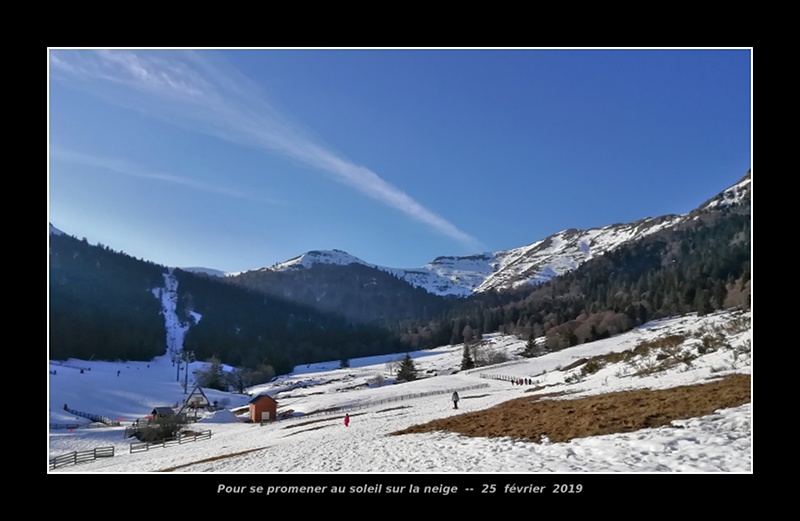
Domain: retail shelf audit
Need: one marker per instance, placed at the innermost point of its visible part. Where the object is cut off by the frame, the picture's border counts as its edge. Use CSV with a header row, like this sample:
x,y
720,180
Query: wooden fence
x,y
70,366
78,425
73,458
186,438
94,417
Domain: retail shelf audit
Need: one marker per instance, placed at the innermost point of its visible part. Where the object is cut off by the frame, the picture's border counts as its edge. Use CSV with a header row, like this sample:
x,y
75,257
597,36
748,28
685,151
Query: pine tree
x,y
407,371
466,360
530,348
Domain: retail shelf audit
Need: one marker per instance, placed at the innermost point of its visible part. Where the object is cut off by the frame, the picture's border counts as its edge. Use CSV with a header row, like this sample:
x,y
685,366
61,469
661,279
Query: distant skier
x,y
455,399
346,420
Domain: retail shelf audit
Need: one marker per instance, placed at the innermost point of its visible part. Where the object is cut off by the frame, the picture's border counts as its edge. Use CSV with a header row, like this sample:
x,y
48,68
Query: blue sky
x,y
240,158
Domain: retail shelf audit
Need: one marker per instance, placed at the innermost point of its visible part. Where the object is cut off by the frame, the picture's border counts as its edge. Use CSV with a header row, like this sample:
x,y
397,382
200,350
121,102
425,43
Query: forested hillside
x,y
247,328
703,265
101,305
360,293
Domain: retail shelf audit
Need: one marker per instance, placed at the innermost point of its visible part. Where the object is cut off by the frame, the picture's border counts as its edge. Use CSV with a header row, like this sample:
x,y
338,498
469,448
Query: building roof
x,y
260,397
163,411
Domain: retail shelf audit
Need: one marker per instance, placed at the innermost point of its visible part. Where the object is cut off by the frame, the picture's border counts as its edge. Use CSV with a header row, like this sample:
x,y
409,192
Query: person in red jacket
x,y
346,420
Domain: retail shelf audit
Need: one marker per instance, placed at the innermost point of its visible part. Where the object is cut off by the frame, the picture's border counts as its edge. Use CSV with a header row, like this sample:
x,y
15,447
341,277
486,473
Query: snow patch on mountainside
x,y
737,194
176,328
563,252
311,258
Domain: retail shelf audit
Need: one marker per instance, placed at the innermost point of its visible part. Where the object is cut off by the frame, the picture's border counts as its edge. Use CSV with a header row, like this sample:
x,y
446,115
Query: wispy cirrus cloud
x,y
204,93
133,170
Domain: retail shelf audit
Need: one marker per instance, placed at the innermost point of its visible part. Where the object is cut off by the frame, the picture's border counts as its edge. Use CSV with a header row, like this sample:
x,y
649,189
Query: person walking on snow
x,y
455,399
346,420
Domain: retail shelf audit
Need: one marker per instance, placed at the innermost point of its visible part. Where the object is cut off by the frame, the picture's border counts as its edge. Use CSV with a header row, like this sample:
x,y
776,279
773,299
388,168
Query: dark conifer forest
x,y
100,303
248,328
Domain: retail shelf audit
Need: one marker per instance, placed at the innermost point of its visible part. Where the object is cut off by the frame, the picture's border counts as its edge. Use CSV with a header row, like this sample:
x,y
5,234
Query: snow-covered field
x,y
319,442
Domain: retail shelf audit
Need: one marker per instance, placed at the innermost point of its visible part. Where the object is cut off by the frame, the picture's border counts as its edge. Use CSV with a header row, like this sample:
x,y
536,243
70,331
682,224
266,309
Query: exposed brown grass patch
x,y
530,418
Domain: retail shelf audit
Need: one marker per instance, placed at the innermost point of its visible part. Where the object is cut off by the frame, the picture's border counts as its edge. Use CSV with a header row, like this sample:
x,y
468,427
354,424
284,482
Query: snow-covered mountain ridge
x,y
735,195
535,263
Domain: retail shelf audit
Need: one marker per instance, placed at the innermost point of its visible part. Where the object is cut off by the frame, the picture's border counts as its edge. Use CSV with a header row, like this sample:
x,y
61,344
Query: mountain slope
x,y
535,263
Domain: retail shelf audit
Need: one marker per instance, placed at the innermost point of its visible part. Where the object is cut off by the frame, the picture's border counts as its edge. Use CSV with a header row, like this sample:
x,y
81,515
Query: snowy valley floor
x,y
671,396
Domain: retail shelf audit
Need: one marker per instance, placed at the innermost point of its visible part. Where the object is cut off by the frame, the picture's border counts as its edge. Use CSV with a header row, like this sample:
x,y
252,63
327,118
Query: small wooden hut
x,y
263,408
162,412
